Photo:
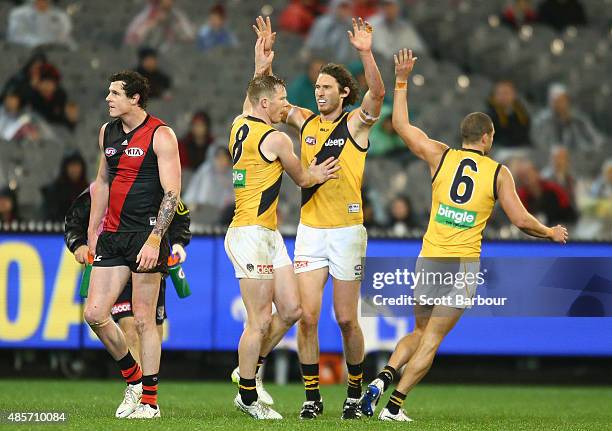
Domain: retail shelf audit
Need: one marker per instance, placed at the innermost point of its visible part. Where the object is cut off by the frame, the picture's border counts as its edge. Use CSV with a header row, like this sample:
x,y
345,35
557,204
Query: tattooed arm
x,y
166,149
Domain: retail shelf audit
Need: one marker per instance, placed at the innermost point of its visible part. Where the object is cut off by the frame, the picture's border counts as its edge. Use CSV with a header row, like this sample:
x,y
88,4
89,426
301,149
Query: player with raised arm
x,y
260,154
139,182
331,238
466,183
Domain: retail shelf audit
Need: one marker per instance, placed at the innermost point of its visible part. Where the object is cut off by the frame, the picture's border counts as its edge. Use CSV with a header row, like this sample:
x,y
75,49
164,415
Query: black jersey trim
x,y
308,120
131,132
440,165
495,180
258,120
269,195
261,142
355,144
153,137
473,151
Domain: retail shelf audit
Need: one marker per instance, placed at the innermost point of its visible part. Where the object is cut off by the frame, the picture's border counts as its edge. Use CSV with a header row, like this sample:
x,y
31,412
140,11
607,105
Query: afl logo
x,y
310,140
110,151
134,152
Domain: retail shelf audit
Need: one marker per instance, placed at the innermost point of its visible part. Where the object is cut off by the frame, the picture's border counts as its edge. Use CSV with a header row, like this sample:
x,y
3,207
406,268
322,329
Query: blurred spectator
x,y
559,171
216,32
393,32
71,181
300,91
159,25
402,219
212,183
16,122
195,145
519,13
562,124
509,115
37,23
299,16
602,186
8,206
364,8
49,98
72,115
148,66
546,200
329,32
384,140
24,81
562,13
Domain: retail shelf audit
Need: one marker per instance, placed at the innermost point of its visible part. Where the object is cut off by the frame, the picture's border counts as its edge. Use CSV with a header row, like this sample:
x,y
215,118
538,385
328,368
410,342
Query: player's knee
x,y
263,324
309,320
347,324
292,315
144,323
94,317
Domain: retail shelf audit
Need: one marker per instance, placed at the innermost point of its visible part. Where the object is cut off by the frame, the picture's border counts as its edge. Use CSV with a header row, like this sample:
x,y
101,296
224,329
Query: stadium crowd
x,y
552,129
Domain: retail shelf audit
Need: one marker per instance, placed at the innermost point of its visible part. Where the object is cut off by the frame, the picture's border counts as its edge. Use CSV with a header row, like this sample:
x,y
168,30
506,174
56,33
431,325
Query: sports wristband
x,y
401,85
153,241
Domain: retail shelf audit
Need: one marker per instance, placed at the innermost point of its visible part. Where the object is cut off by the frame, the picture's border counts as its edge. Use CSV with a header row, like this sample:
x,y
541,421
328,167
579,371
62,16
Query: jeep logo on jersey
x,y
335,142
110,152
310,140
134,152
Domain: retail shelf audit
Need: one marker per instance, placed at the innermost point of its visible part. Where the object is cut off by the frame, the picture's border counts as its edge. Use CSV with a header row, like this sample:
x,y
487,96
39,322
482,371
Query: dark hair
x,y
475,125
345,79
133,83
263,85
145,52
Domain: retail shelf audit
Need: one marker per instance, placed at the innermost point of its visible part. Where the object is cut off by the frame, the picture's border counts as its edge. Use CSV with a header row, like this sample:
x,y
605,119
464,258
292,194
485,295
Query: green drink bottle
x,y
84,288
178,276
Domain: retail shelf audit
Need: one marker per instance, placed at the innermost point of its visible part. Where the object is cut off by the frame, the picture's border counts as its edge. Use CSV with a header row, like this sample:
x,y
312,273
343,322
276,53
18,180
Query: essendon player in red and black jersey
x,y
138,183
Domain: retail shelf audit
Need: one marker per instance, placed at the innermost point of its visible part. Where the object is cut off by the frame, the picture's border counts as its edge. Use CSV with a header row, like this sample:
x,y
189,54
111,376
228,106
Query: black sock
x,y
387,375
260,362
130,370
355,377
310,374
395,402
149,390
247,391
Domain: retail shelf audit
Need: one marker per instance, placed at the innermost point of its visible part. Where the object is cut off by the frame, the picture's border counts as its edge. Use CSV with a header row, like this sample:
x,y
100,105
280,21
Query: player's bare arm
x,y
279,145
99,197
518,214
364,117
166,148
415,139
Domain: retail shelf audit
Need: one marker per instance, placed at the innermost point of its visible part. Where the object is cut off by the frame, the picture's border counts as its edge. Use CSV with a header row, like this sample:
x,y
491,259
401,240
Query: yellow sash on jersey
x,y
463,197
337,202
257,181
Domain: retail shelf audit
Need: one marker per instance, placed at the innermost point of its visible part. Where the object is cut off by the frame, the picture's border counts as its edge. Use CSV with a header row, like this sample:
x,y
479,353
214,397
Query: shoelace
x,y
129,393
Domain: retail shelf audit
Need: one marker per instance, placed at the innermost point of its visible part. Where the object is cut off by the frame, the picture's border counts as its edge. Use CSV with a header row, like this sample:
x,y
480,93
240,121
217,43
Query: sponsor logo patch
x,y
310,140
298,264
134,152
125,142
265,269
353,208
358,270
250,267
97,258
152,221
455,217
239,178
121,307
334,142
160,312
110,152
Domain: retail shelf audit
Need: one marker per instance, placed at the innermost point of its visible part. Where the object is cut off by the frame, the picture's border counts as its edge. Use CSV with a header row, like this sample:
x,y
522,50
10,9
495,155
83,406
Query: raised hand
x,y
263,29
263,60
361,36
325,171
404,63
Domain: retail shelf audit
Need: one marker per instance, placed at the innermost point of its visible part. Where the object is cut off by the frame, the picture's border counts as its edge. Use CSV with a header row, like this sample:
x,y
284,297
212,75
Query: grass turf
x,y
90,405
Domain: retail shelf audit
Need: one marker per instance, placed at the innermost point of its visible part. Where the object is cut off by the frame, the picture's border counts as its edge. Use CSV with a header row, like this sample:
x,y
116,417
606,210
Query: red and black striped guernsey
x,y
135,192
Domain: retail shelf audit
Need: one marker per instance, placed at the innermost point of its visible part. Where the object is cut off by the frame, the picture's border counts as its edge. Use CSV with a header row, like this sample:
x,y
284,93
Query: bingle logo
x,y
310,140
335,142
110,151
134,152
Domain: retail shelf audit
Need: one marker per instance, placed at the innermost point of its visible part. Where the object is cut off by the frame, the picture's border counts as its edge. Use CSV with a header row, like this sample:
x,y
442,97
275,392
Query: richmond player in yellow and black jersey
x,y
466,183
331,238
256,249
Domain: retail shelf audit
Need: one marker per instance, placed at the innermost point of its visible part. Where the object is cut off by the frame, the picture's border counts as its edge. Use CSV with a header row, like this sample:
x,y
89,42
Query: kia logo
x,y
134,152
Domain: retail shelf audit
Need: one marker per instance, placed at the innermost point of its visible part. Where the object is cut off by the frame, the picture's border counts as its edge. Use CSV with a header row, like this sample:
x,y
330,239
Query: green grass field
x,y
206,406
